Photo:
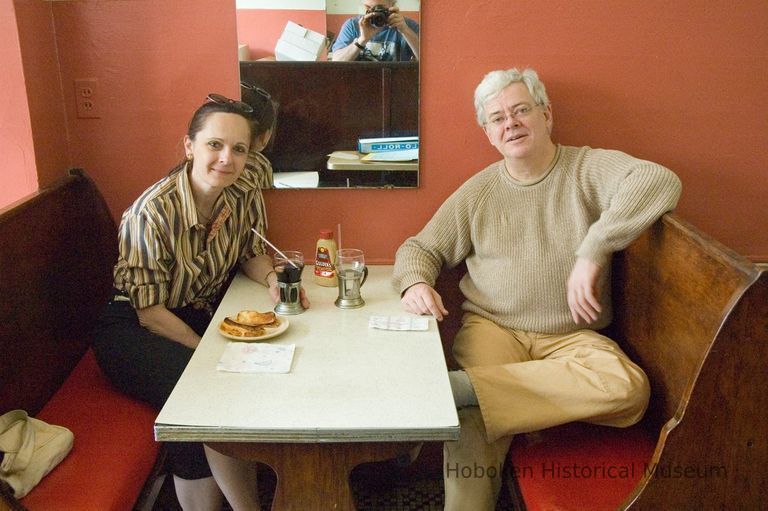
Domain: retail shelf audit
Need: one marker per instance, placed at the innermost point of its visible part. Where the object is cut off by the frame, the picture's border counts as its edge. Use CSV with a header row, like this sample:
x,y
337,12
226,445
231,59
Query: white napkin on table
x,y
255,357
398,323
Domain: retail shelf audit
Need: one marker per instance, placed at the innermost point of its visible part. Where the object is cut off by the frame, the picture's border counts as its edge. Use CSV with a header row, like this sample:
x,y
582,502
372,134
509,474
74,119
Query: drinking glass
x,y
351,272
288,266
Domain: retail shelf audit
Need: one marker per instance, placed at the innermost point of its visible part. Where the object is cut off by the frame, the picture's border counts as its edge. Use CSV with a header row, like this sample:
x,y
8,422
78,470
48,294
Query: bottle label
x,y
323,264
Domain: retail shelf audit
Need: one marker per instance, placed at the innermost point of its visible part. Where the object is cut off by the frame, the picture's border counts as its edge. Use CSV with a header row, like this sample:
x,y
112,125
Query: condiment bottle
x,y
325,257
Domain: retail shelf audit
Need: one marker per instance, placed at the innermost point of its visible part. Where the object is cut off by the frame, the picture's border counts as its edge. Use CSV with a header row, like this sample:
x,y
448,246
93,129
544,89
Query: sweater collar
x,y
550,168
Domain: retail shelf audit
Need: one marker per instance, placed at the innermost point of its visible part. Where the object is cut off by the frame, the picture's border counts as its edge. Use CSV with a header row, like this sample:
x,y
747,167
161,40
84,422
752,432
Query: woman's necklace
x,y
206,218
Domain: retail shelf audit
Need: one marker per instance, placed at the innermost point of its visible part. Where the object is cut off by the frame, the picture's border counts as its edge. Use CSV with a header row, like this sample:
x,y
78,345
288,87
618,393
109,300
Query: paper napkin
x,y
398,323
254,357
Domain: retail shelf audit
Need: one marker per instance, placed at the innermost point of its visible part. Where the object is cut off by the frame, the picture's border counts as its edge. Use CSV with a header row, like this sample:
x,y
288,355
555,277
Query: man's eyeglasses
x,y
223,100
500,118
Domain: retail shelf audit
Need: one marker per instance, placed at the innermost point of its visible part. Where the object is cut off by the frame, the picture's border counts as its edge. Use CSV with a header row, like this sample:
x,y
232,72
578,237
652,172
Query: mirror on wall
x,y
341,124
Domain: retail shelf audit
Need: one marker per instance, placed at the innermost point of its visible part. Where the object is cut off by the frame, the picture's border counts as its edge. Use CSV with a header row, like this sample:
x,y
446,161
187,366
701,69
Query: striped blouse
x,y
168,256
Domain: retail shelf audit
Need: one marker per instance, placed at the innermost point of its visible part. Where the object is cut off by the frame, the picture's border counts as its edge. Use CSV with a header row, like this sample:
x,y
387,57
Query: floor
x,y
376,487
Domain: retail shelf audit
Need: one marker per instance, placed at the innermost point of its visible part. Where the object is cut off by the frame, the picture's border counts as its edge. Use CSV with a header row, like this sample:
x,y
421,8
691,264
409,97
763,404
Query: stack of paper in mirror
x,y
299,43
389,148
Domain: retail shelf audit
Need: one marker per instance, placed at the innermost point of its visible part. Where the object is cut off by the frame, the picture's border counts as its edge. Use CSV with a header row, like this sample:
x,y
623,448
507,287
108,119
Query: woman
x,y
178,244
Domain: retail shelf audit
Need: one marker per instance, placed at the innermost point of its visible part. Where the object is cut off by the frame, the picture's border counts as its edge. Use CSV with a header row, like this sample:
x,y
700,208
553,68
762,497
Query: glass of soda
x,y
288,266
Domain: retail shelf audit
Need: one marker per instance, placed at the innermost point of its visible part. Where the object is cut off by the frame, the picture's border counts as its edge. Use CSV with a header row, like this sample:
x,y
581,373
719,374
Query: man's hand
x,y
422,299
396,20
582,291
367,31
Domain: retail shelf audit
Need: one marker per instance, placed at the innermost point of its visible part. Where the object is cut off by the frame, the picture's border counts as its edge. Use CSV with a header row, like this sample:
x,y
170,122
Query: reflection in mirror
x,y
326,107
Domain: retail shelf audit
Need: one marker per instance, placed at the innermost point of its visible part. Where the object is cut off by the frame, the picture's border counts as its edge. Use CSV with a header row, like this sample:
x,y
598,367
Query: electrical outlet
x,y
87,98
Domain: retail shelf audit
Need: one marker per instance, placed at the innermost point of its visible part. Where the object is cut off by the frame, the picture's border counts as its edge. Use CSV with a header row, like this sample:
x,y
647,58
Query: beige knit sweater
x,y
520,242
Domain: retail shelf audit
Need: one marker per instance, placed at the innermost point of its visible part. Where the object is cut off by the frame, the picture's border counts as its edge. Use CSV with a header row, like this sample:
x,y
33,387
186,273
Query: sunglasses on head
x,y
223,100
257,90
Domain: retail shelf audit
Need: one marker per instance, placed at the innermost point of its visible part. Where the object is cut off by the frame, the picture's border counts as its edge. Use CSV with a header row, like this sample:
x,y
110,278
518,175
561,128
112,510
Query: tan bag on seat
x,y
31,448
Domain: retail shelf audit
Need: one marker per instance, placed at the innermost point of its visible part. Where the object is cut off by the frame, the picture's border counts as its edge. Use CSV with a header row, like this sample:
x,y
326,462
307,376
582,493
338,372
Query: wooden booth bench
x,y
57,249
694,315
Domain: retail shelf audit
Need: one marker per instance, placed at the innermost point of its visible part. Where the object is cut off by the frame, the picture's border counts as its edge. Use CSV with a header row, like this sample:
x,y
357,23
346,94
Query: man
x,y
536,230
381,34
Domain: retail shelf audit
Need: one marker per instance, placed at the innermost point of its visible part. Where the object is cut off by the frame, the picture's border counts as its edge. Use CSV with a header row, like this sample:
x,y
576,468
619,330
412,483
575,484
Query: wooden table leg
x,y
313,476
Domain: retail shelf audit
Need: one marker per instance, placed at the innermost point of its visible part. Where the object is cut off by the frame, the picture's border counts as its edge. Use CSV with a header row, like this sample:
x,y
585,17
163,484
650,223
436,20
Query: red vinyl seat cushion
x,y
114,450
580,466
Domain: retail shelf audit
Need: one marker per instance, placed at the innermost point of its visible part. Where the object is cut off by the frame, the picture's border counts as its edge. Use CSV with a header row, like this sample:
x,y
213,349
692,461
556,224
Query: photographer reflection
x,y
381,34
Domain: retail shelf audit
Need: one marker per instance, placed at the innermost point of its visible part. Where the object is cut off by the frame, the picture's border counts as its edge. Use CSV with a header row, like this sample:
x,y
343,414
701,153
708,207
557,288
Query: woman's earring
x,y
189,157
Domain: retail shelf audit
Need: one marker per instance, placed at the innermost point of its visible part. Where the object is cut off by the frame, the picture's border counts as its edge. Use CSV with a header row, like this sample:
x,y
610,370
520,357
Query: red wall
x,y
680,83
155,62
44,89
16,146
676,83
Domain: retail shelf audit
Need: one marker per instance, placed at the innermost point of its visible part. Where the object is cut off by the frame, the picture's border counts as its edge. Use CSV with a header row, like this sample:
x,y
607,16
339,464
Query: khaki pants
x,y
527,381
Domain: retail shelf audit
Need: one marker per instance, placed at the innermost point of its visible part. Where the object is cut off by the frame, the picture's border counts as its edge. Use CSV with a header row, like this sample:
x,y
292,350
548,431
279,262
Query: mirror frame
x,y
328,107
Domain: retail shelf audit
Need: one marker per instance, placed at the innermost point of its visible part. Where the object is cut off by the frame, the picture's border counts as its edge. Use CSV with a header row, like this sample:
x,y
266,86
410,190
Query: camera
x,y
379,16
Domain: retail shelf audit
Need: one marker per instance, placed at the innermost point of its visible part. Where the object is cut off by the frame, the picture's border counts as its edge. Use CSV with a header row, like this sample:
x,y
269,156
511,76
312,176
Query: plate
x,y
270,332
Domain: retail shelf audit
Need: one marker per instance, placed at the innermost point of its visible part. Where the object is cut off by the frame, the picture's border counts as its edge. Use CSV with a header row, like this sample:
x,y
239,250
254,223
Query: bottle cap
x,y
326,234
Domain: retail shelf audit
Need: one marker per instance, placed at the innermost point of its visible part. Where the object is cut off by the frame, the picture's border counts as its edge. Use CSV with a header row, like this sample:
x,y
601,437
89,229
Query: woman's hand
x,y
159,320
303,298
259,268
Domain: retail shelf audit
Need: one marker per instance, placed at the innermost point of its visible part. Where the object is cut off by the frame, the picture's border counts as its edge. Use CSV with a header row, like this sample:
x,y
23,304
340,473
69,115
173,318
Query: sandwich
x,y
255,318
249,324
236,329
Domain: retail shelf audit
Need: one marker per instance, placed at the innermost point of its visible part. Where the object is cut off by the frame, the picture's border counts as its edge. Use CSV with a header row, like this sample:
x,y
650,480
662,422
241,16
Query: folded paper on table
x,y
398,323
249,357
346,155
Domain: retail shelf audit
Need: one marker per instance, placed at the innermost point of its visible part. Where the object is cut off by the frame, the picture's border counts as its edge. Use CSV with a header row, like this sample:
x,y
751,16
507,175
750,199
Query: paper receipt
x,y
398,323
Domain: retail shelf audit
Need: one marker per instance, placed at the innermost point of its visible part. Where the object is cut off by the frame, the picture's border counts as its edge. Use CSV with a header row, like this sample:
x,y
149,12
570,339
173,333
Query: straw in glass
x,y
274,247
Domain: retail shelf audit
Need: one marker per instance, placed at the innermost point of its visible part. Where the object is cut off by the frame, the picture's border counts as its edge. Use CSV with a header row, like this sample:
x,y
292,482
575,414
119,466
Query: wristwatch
x,y
359,45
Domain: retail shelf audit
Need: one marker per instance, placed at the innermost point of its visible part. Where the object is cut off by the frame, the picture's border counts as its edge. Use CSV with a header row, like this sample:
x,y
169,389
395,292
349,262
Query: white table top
x,y
348,383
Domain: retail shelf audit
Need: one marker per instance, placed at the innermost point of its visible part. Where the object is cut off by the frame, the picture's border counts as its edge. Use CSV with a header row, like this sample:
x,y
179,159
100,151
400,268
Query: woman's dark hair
x,y
197,123
264,108
210,107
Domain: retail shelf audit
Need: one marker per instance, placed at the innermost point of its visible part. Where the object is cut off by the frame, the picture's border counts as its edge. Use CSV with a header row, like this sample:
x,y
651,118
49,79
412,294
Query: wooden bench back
x,y
694,315
57,249
673,289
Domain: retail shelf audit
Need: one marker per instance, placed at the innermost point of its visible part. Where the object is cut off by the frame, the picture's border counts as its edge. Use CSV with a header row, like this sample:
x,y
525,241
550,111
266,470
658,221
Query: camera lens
x,y
379,16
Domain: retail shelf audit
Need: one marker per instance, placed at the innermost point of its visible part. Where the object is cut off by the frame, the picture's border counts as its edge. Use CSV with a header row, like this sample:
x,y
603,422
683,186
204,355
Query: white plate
x,y
270,332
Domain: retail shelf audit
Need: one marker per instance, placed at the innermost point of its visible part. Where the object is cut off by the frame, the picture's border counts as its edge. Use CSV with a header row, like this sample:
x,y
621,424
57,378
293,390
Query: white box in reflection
x,y
296,179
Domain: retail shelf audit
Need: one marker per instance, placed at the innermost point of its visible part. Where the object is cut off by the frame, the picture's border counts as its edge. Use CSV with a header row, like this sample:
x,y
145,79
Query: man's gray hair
x,y
496,81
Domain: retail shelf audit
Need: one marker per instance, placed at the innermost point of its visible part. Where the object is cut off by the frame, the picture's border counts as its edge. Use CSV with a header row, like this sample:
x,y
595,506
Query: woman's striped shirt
x,y
168,256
